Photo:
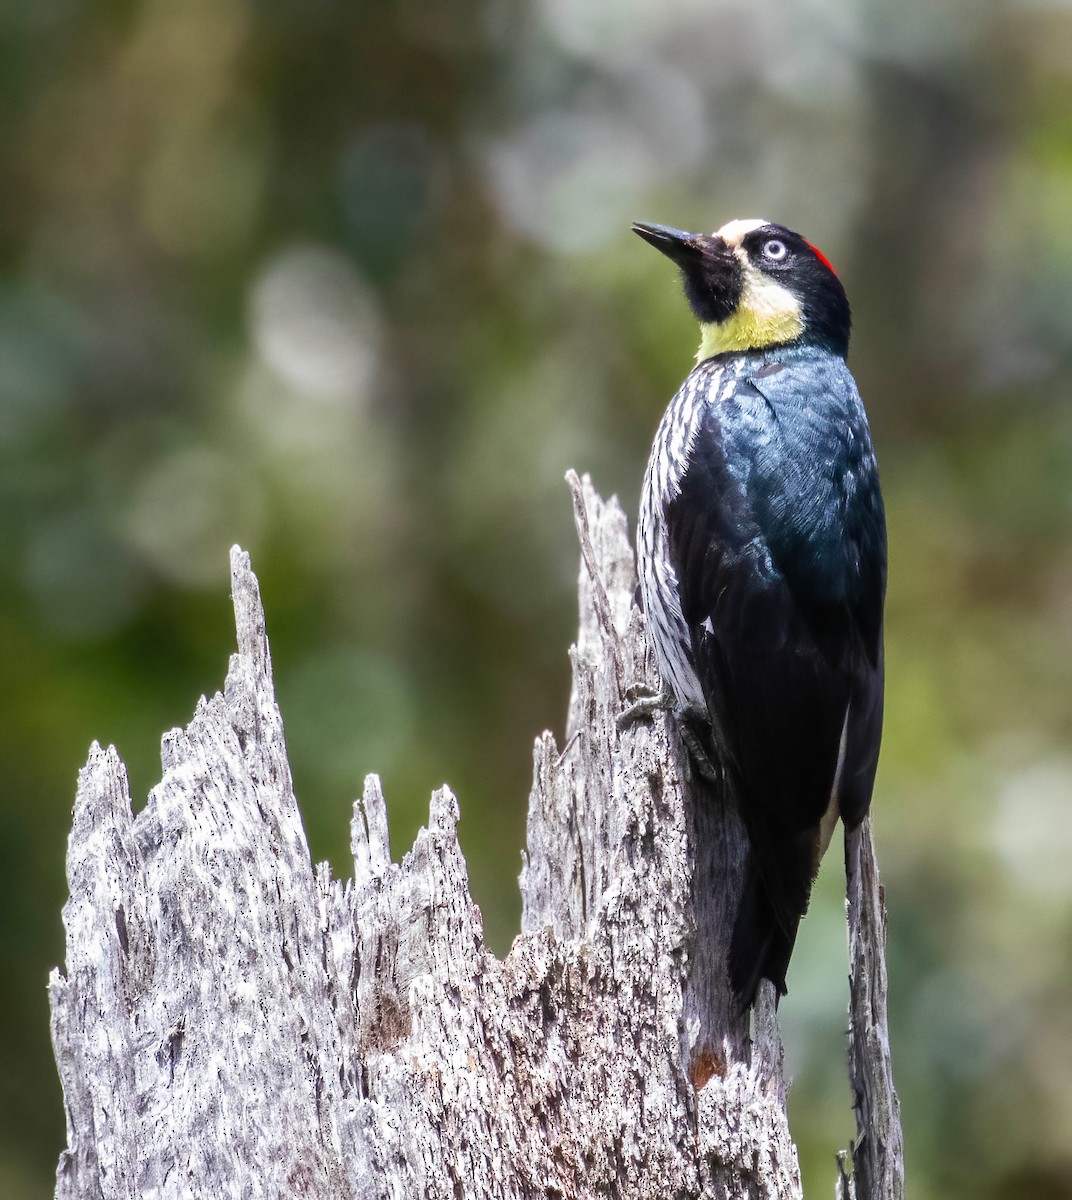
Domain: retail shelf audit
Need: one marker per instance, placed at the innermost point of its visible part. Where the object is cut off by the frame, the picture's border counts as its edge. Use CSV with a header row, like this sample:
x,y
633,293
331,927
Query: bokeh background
x,y
352,284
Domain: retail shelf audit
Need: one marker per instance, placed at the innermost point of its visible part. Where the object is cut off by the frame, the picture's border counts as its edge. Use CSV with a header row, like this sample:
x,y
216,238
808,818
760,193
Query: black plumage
x,y
763,566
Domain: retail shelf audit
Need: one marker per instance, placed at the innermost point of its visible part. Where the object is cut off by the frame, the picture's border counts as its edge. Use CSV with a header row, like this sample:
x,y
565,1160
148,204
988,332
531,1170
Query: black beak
x,y
711,271
686,249
679,246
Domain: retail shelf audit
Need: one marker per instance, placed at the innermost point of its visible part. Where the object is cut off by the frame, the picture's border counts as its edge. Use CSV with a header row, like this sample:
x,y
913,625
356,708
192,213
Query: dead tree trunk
x,y
235,1023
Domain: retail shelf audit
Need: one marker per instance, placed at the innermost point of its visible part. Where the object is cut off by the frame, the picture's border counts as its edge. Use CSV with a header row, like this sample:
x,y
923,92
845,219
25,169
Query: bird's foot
x,y
645,702
706,766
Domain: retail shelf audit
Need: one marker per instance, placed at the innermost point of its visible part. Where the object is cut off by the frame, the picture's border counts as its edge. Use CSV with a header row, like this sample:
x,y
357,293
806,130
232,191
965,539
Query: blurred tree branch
x,y
233,1022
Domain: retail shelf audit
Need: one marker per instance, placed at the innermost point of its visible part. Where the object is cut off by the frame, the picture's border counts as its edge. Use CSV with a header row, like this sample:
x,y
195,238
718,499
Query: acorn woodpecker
x,y
762,561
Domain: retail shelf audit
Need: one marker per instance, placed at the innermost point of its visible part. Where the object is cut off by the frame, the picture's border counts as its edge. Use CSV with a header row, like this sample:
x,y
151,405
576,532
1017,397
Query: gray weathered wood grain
x,y
878,1154
232,1022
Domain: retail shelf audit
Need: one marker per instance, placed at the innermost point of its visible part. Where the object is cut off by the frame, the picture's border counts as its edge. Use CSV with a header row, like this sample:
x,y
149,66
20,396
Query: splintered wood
x,y
233,1022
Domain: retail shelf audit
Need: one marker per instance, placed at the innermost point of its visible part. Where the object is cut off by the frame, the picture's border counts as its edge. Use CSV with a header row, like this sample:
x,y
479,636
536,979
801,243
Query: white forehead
x,y
734,231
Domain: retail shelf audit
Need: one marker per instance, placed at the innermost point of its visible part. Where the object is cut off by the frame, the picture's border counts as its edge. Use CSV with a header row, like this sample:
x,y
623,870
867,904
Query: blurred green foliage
x,y
352,284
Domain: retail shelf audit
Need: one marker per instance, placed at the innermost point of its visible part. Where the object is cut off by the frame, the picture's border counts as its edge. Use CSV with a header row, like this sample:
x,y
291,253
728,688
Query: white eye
x,y
775,250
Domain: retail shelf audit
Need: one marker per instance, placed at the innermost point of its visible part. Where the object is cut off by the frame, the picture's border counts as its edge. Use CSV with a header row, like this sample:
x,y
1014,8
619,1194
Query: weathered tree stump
x,y
234,1022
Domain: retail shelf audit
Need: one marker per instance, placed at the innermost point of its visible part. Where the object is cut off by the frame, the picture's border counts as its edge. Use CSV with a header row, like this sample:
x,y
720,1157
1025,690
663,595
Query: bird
x,y
762,563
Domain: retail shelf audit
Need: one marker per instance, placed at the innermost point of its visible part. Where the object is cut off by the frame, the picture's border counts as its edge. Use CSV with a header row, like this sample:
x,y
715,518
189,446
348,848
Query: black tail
x,y
760,947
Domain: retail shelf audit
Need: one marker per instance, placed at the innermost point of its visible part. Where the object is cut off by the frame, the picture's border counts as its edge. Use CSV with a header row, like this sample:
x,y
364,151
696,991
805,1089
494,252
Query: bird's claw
x,y
644,703
701,760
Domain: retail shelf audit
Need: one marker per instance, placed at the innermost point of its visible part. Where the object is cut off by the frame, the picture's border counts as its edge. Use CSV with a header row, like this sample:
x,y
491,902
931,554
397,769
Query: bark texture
x,y
232,1022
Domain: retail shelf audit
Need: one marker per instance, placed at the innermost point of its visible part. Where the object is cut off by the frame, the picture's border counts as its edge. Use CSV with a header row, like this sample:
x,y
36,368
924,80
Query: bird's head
x,y
753,285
